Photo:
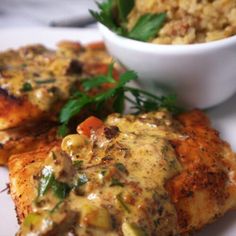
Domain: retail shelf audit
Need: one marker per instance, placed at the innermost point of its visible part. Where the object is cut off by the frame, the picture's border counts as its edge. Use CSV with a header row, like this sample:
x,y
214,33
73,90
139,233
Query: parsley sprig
x,y
48,181
140,100
114,13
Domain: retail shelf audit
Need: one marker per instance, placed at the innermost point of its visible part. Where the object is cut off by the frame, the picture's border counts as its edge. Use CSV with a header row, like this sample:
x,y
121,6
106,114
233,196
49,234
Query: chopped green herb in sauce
x,y
82,179
78,164
48,181
103,172
45,181
56,206
23,65
120,199
26,87
46,81
61,190
116,182
121,167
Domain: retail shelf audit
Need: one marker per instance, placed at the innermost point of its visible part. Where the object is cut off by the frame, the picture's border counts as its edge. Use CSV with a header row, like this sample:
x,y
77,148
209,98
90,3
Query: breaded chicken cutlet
x,y
149,174
35,82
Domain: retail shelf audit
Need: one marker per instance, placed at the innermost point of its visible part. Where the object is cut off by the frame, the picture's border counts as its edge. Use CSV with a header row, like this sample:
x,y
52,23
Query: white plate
x,y
223,118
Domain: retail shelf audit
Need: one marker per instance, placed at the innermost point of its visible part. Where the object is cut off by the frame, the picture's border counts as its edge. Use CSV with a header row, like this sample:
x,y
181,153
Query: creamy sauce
x,y
120,180
38,73
45,76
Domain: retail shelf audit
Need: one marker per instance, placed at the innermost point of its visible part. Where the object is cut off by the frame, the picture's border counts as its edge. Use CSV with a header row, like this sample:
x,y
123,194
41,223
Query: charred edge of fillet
x,y
4,93
200,176
37,130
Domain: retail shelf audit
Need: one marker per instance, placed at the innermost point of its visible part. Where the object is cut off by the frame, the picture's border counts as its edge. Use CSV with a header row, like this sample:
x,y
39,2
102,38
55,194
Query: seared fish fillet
x,y
35,82
27,138
149,174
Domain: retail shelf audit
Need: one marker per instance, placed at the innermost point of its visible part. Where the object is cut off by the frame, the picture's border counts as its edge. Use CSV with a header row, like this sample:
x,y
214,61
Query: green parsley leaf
x,y
56,207
32,218
169,102
113,14
26,87
80,100
61,190
48,181
121,167
99,80
105,16
116,182
78,164
82,180
127,77
23,65
63,130
124,8
141,101
45,81
106,6
119,102
122,203
147,27
124,78
144,101
45,181
74,106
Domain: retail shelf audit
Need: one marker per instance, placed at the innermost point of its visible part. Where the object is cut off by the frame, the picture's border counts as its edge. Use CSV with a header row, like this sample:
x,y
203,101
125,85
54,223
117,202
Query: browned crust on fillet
x,y
16,111
25,139
202,191
23,170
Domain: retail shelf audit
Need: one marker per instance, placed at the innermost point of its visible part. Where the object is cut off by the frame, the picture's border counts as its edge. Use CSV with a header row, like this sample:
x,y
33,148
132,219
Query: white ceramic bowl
x,y
202,75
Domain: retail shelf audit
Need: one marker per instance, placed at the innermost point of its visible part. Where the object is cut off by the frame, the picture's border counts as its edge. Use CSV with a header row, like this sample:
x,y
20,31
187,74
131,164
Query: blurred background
x,y
61,13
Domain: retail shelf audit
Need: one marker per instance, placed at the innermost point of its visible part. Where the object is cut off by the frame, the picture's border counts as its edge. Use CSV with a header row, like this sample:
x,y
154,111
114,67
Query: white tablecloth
x,y
21,13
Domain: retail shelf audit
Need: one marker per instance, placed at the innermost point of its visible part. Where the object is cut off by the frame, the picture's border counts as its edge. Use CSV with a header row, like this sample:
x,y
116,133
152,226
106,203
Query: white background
x,y
15,13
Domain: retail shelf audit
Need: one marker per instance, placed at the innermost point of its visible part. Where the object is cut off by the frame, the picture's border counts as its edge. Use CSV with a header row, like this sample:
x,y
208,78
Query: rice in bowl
x,y
189,21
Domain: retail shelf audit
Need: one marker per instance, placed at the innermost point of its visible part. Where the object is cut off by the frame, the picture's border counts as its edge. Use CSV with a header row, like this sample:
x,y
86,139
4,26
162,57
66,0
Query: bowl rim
x,y
151,47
